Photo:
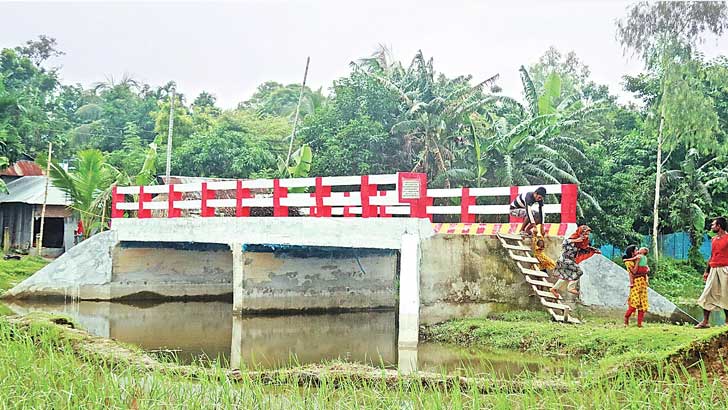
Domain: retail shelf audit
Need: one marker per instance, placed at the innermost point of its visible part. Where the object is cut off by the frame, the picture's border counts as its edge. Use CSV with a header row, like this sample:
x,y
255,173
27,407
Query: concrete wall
x,y
319,278
150,270
470,276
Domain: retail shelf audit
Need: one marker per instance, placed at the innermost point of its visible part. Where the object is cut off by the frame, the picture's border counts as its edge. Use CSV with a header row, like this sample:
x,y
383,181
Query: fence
x,y
403,194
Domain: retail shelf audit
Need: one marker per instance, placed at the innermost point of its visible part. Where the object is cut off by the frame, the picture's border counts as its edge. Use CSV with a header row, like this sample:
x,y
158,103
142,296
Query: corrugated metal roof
x,y
29,190
23,168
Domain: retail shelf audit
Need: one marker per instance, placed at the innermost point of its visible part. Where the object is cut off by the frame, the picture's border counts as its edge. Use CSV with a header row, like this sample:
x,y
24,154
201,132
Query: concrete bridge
x,y
349,243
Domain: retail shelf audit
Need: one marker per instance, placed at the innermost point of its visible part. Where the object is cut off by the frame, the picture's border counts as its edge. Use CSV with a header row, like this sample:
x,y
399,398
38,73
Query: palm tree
x,y
90,183
84,185
433,110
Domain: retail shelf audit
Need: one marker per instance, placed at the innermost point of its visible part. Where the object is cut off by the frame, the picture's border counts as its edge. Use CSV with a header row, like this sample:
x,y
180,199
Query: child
x,y
636,263
545,263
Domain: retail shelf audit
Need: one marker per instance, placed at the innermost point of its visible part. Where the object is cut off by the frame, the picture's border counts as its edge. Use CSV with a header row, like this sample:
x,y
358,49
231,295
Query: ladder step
x,y
574,320
527,259
545,294
538,282
517,247
553,305
509,236
533,272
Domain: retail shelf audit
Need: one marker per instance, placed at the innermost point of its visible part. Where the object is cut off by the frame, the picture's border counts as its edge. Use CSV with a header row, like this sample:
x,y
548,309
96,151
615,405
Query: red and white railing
x,y
366,196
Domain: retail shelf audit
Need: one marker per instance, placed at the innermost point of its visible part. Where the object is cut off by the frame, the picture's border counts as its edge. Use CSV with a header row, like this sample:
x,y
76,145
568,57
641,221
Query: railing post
x,y
144,213
569,194
172,196
240,194
465,201
383,208
367,191
278,193
206,195
116,198
514,194
347,212
321,193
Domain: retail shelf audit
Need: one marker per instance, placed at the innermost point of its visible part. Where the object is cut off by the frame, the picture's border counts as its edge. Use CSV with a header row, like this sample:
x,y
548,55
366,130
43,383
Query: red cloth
x,y
719,252
584,251
641,271
79,228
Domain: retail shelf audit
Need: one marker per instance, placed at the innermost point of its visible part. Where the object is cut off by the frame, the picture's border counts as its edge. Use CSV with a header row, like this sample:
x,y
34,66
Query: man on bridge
x,y
522,207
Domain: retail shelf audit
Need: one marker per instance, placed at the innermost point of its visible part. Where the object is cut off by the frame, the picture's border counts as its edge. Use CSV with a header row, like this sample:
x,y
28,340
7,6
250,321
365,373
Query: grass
x,y
677,280
13,272
602,344
39,369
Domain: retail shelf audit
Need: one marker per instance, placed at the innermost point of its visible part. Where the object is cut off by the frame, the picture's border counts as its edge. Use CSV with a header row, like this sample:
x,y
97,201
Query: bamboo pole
x,y
298,108
39,246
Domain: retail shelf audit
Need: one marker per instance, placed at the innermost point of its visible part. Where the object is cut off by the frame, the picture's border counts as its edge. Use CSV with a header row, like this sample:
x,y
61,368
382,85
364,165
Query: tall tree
x,y
665,34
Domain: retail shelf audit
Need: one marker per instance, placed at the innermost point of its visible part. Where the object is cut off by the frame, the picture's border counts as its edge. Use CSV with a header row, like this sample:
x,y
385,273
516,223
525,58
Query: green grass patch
x,y
677,280
13,272
39,369
600,344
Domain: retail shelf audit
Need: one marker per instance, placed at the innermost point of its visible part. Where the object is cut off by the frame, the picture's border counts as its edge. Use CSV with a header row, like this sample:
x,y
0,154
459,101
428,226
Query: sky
x,y
229,48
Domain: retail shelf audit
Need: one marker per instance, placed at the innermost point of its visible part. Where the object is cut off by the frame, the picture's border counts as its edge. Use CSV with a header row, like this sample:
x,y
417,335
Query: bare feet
x,y
555,293
574,292
702,325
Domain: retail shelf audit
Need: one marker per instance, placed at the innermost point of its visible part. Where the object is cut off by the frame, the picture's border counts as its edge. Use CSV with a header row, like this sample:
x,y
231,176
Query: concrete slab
x,y
375,233
605,285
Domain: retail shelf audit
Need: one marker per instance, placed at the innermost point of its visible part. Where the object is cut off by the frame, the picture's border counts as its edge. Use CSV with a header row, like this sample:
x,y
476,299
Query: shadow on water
x,y
200,331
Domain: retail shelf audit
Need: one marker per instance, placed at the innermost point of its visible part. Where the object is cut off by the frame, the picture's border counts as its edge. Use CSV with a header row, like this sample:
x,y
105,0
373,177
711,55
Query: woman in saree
x,y
575,249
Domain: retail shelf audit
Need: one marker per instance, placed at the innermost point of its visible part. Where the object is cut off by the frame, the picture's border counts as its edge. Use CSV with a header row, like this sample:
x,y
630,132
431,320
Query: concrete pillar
x,y
238,268
236,345
409,291
407,360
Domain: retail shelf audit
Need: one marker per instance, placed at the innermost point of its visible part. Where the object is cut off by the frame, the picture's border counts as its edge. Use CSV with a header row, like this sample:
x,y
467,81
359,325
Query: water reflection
x,y
366,337
208,330
716,318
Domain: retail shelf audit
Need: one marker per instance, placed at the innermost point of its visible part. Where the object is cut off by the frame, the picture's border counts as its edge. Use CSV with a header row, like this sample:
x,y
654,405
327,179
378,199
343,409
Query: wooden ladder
x,y
536,278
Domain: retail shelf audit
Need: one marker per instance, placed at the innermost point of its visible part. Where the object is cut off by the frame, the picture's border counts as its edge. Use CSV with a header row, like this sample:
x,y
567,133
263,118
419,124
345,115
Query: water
x,y
716,318
201,331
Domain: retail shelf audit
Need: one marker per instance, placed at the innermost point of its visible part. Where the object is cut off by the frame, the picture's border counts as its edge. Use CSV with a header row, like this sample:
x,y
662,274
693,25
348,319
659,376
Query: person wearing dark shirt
x,y
715,293
522,207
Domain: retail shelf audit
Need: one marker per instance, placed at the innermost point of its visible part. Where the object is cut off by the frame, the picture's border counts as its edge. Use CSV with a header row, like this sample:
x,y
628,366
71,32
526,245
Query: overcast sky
x,y
228,48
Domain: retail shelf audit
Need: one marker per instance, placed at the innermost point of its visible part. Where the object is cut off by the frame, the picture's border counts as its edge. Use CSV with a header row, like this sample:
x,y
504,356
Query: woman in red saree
x,y
584,250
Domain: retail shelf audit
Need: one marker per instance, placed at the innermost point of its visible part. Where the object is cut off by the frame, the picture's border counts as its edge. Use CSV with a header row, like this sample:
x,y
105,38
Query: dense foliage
x,y
386,116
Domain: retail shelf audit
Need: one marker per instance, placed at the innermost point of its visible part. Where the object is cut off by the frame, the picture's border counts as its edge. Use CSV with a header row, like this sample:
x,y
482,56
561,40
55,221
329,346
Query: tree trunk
x,y
655,209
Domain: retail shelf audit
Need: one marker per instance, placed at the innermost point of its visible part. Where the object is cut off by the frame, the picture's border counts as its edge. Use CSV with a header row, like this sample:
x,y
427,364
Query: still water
x,y
200,331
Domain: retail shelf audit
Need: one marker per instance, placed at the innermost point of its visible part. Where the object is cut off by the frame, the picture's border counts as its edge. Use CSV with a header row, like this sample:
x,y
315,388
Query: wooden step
x,y
538,282
517,247
534,272
553,305
546,294
509,236
527,259
560,318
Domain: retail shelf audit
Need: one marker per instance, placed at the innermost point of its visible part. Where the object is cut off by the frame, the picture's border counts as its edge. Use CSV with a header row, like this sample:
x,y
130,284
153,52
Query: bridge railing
x,y
366,196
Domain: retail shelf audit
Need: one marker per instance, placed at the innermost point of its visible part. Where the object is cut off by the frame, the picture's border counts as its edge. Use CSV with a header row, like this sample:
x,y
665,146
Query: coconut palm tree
x,y
432,110
89,184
